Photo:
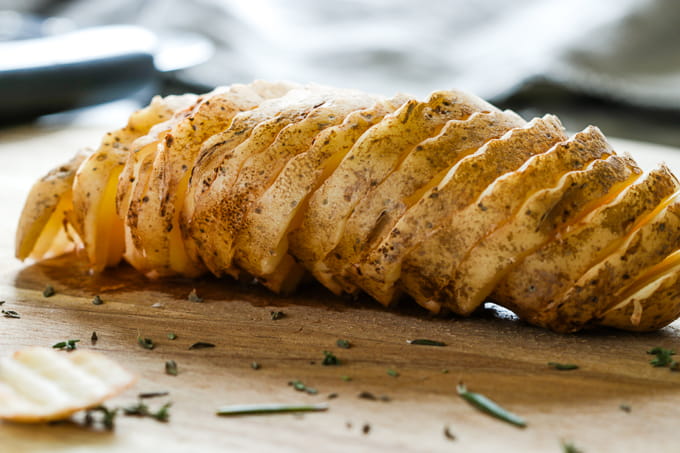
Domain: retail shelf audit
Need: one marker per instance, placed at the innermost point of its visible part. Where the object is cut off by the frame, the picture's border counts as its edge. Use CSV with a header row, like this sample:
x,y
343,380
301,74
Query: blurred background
x,y
613,63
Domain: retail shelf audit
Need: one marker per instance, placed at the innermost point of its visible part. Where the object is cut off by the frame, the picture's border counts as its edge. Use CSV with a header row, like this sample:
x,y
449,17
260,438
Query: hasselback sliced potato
x,y
448,201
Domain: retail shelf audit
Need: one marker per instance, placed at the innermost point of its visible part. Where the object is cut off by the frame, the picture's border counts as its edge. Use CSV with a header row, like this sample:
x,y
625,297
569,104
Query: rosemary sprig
x,y
260,409
10,314
486,405
424,342
201,345
563,366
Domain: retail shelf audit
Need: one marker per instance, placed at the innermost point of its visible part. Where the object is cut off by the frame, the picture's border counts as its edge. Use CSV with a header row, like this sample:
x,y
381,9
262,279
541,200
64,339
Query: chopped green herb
x,y
300,387
276,315
563,366
393,373
146,343
97,300
49,291
445,371
366,428
448,434
258,409
674,365
330,359
142,410
201,345
152,395
94,338
108,416
332,395
367,396
346,378
344,344
625,407
663,356
193,296
171,368
68,345
255,366
172,336
11,314
2,302
568,447
423,342
486,405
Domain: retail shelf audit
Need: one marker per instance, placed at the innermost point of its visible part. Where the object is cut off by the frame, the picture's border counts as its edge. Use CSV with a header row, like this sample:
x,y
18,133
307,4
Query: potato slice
x,y
647,245
544,275
40,385
380,269
261,170
281,206
651,303
421,170
374,156
429,266
42,217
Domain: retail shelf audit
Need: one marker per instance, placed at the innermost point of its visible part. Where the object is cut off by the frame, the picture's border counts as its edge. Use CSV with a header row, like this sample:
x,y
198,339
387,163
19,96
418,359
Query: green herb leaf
x,y
625,408
2,302
563,366
94,338
423,342
97,300
568,447
276,315
486,405
255,366
663,356
259,409
171,368
142,410
393,373
49,291
301,387
146,343
172,336
346,378
445,371
11,314
108,416
201,345
193,296
68,345
344,344
330,359
448,434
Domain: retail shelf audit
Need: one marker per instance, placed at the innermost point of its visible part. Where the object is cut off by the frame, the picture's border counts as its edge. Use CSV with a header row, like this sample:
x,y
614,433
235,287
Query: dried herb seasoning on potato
x,y
447,199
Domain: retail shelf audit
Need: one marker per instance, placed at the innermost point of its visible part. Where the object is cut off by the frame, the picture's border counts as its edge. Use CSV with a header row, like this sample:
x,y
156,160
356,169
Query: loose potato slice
x,y
429,266
380,269
280,208
544,275
156,209
536,222
39,385
219,164
421,170
650,303
261,170
94,189
42,217
374,156
648,244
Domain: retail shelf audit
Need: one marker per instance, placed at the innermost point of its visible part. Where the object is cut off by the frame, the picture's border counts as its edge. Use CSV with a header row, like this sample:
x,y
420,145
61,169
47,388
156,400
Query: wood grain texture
x,y
492,353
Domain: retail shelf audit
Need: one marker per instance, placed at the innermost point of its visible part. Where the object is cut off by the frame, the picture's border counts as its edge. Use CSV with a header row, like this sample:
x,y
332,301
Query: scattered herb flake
x,y
172,336
330,359
301,387
625,408
332,395
448,434
367,396
49,291
97,300
201,345
563,366
276,315
344,344
146,343
346,378
366,428
194,297
258,409
11,314
94,338
393,373
152,395
2,302
424,342
255,366
445,371
171,367
68,345
142,410
108,416
568,447
663,356
486,405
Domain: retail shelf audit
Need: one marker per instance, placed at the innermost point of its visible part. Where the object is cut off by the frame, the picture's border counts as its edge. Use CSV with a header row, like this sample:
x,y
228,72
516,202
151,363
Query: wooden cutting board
x,y
493,354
